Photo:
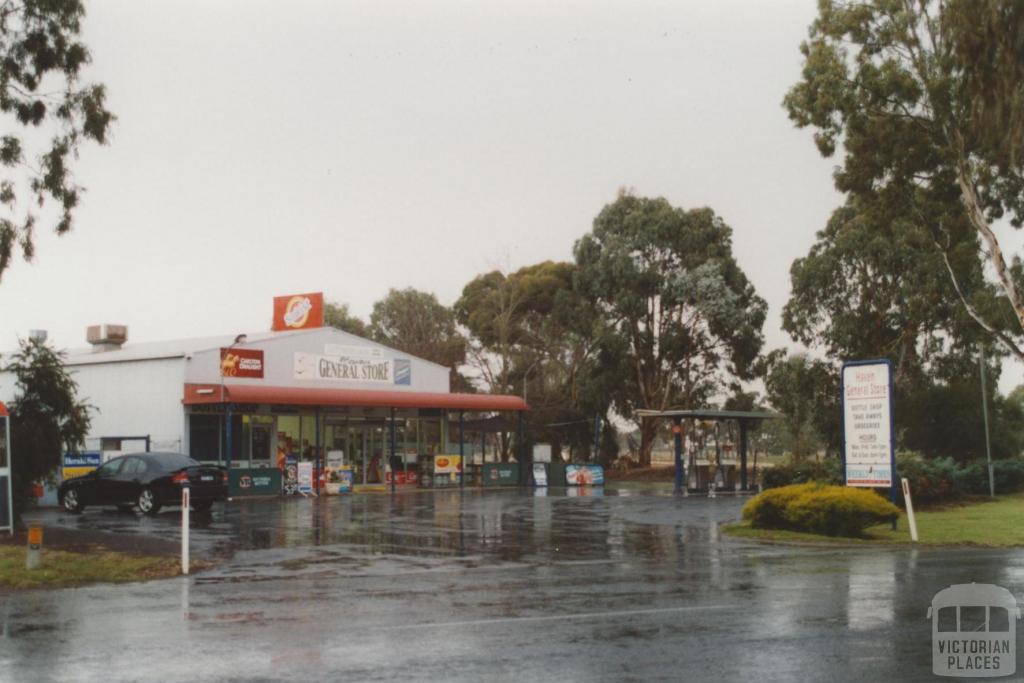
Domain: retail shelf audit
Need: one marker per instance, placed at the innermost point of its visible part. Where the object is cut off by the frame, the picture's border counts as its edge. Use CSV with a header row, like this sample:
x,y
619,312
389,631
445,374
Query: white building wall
x,y
133,398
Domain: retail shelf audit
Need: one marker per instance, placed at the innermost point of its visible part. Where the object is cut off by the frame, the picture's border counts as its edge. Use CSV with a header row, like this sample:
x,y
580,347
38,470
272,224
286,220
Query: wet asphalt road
x,y
495,585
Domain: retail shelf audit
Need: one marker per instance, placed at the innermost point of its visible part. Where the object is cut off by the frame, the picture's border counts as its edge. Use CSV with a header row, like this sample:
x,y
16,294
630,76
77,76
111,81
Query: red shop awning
x,y
200,394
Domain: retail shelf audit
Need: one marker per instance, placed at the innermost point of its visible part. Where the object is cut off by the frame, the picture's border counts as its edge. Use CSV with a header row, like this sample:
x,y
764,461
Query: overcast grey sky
x,y
268,148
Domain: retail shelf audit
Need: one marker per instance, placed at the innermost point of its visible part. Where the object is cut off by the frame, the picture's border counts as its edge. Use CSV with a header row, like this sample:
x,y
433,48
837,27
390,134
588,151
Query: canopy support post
x,y
677,432
392,458
462,451
743,455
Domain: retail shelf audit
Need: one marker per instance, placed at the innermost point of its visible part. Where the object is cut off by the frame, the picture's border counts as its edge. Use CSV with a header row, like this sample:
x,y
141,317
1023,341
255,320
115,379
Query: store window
x,y
430,435
239,442
203,437
287,436
262,429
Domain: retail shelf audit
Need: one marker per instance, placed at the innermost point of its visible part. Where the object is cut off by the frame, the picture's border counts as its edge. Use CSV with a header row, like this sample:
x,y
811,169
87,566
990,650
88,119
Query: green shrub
x,y
792,471
838,511
819,508
931,481
768,509
1009,475
941,479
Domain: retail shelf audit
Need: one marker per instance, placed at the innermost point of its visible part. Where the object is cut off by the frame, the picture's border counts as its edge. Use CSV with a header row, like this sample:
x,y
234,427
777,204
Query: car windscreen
x,y
172,461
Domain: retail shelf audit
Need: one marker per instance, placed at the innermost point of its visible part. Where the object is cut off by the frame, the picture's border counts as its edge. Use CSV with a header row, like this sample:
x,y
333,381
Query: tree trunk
x,y
648,431
969,197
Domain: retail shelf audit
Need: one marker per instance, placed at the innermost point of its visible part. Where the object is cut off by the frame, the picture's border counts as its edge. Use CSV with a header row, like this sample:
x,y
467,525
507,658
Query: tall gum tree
x,y
925,98
532,334
874,285
48,112
678,315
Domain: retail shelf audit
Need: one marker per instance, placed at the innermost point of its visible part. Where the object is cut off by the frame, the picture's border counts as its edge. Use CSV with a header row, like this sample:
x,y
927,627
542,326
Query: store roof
x,y
200,394
173,348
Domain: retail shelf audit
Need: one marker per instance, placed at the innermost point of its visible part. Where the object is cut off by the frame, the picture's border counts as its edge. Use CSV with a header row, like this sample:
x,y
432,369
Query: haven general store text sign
x,y
867,423
311,366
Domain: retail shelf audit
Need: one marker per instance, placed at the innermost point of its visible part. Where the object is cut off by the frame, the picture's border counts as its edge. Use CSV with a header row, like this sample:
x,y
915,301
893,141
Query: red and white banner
x,y
241,363
298,311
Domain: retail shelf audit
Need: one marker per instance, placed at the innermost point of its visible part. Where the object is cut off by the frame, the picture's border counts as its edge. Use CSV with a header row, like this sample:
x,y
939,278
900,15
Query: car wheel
x,y
72,503
148,502
202,505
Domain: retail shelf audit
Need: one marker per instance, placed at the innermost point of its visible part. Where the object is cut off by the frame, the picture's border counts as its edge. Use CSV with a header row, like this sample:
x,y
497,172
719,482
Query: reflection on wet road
x,y
450,586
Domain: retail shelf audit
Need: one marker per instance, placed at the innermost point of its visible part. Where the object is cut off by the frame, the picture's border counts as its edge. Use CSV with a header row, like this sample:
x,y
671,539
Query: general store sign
x,y
312,366
867,423
241,363
352,368
298,311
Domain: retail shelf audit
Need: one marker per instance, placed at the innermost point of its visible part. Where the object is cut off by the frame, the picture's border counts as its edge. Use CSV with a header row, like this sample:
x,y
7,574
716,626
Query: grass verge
x,y
986,523
62,568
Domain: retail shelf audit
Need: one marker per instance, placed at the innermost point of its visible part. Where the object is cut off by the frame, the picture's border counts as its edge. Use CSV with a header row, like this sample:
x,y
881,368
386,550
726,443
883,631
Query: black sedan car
x,y
146,480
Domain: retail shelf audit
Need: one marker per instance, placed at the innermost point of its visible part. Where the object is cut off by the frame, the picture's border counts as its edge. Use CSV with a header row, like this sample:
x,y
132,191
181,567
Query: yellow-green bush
x,y
819,509
768,510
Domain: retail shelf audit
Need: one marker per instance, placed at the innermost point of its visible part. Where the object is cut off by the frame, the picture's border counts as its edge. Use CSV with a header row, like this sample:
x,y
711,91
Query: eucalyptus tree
x,y
417,323
679,320
873,285
49,114
339,316
925,100
532,334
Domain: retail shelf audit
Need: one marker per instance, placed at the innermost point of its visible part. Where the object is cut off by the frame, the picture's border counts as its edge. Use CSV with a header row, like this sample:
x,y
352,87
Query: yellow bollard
x,y
34,556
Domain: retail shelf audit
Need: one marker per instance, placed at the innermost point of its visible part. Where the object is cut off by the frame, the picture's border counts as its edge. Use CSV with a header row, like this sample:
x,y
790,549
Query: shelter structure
x,y
743,418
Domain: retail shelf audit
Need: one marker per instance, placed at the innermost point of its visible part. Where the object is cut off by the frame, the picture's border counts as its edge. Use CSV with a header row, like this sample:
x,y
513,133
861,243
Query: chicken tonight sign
x,y
868,445
241,363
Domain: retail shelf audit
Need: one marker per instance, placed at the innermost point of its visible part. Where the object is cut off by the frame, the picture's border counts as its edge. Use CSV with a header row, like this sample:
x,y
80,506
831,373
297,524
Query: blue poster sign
x,y
83,459
79,464
403,372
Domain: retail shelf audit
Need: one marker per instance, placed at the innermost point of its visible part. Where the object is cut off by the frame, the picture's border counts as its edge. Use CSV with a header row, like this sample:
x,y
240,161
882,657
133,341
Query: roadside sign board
x,y
305,476
540,474
584,475
80,464
261,481
500,473
868,443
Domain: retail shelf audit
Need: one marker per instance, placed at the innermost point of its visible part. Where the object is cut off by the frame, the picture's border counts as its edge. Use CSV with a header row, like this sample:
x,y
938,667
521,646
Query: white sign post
x,y
869,457
910,509
186,502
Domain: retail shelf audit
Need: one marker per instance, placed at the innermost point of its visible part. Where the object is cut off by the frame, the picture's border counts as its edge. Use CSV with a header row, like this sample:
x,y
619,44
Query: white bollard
x,y
910,509
186,501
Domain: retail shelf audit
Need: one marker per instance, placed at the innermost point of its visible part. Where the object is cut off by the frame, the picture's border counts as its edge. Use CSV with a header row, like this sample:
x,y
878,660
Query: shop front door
x,y
366,443
357,449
